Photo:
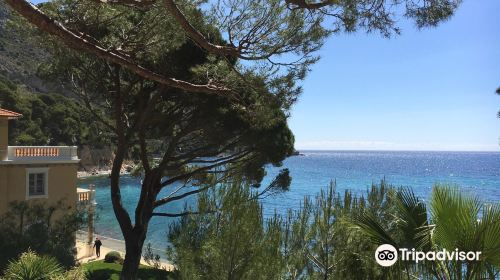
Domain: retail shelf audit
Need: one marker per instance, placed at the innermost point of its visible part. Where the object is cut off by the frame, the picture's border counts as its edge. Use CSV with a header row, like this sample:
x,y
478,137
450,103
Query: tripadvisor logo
x,y
387,255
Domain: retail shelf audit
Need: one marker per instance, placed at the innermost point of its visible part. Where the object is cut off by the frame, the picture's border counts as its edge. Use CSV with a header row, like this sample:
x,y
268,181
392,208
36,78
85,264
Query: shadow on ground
x,y
100,270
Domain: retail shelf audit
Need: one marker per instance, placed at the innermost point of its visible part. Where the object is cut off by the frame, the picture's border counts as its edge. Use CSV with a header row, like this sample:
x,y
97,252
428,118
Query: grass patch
x,y
111,271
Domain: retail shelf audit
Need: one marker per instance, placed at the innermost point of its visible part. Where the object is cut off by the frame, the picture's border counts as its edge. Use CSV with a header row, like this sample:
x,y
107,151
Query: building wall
x,y
3,190
61,184
4,135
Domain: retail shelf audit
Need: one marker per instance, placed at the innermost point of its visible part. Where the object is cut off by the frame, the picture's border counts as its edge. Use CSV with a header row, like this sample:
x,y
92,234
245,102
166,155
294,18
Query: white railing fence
x,y
42,153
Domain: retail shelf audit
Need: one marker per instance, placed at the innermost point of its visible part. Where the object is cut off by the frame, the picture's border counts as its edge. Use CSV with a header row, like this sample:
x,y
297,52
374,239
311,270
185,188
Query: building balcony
x,y
41,154
85,196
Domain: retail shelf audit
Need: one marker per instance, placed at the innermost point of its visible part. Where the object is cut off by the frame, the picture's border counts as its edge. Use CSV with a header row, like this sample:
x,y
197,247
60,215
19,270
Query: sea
x,y
475,173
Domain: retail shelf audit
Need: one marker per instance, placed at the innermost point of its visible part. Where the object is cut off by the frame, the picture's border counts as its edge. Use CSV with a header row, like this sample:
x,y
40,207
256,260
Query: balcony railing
x,y
31,153
85,196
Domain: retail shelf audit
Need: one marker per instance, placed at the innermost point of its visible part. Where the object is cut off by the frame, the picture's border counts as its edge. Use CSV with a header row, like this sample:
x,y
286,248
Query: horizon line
x,y
381,150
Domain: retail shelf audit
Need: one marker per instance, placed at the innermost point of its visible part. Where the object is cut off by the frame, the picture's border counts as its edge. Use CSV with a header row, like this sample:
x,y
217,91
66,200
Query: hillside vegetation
x,y
48,118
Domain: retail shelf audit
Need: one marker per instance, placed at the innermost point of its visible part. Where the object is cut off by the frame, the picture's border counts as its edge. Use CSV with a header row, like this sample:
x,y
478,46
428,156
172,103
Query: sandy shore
x,y
109,244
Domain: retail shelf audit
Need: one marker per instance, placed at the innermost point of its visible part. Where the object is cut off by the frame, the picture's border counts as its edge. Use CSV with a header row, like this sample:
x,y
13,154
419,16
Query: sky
x,y
430,89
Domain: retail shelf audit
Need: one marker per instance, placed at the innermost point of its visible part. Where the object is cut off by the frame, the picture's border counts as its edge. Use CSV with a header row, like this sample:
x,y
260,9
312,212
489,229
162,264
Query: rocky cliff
x,y
21,57
95,159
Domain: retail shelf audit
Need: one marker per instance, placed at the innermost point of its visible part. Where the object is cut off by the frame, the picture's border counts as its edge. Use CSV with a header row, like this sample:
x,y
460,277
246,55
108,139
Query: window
x,y
36,182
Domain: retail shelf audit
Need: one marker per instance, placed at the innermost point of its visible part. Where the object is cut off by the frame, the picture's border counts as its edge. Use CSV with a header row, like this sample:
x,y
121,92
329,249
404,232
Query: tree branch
x,y
191,156
83,42
121,213
139,125
86,100
197,37
179,197
304,4
143,151
134,3
201,169
164,200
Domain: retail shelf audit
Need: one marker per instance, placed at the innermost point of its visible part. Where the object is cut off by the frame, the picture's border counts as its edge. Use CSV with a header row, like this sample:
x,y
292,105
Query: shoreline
x,y
96,173
89,174
109,244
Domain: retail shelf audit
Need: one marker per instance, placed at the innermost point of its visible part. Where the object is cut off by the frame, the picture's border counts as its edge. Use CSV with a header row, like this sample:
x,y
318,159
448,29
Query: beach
x,y
109,244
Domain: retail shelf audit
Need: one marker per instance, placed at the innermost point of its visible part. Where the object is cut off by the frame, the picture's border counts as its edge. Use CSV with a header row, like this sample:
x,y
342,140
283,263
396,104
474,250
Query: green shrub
x,y
31,266
113,257
33,226
151,258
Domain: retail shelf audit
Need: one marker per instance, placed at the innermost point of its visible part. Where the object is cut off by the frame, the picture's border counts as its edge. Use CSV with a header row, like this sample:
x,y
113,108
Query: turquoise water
x,y
475,172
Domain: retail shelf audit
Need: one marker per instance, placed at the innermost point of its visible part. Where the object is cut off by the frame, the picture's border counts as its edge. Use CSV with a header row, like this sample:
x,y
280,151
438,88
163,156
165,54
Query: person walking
x,y
97,246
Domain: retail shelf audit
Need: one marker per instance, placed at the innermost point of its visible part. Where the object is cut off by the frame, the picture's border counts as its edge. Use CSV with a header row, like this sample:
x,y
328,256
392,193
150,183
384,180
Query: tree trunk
x,y
133,252
134,239
134,234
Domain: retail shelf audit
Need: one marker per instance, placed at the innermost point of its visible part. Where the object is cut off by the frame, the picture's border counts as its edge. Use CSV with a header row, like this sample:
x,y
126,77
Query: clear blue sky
x,y
430,89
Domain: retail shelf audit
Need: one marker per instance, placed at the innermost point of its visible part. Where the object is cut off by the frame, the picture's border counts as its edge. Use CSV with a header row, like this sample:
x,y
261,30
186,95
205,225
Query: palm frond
x,y
412,219
372,228
455,216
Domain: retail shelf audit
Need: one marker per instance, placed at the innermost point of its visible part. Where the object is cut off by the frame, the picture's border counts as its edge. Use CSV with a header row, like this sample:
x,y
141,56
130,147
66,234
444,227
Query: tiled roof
x,y
9,114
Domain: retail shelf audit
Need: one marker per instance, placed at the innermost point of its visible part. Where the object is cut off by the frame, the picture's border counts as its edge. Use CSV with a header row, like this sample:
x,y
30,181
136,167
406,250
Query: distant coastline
x,y
97,173
87,174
